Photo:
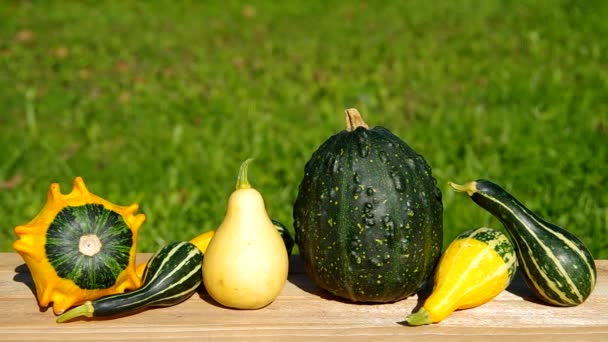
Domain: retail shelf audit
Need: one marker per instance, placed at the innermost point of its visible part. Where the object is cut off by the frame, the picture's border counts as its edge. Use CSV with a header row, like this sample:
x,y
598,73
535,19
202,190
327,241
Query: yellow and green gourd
x,y
475,267
80,247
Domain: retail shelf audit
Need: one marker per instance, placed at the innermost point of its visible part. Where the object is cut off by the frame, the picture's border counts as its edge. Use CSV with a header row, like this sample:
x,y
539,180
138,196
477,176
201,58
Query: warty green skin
x,y
368,217
171,276
557,266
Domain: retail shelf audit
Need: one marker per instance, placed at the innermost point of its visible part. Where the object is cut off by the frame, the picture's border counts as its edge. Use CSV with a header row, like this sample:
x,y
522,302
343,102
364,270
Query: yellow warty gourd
x,y
246,263
80,247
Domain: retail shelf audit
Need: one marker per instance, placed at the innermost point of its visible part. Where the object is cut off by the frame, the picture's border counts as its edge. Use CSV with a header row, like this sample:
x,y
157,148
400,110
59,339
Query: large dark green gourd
x,y
368,216
557,266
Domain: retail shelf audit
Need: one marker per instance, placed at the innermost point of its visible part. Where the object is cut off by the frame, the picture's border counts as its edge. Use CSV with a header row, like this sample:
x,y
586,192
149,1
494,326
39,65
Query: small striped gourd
x,y
475,267
171,276
557,266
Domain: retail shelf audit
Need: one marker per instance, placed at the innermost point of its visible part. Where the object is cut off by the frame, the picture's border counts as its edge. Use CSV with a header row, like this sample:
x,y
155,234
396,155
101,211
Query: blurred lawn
x,y
159,102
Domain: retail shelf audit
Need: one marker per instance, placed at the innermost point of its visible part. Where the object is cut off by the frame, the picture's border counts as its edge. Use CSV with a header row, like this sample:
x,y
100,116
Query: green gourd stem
x,y
242,181
85,310
470,188
421,317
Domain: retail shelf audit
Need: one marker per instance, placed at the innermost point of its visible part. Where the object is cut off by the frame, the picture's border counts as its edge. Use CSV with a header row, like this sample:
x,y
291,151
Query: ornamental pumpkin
x,y
368,215
80,247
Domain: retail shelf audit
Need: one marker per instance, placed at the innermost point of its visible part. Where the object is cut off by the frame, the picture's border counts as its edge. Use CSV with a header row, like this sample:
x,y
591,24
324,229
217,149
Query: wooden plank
x,y
303,312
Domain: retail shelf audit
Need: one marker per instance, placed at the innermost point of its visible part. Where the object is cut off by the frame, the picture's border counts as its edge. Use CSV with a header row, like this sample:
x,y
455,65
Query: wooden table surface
x,y
304,313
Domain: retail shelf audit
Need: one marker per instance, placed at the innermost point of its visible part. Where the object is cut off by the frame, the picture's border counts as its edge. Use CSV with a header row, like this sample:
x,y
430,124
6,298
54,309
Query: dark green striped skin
x,y
287,239
368,217
98,271
172,275
557,266
498,241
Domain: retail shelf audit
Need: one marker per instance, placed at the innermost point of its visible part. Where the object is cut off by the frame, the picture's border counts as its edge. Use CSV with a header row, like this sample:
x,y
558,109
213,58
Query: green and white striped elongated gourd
x,y
477,266
557,266
171,276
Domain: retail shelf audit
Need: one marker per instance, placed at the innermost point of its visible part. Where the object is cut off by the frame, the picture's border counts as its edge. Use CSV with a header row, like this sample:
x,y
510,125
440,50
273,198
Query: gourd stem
x,y
354,120
85,310
421,317
470,188
242,181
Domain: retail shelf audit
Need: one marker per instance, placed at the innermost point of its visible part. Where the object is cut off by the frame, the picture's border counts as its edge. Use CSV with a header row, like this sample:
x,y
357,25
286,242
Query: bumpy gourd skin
x,y
368,217
51,241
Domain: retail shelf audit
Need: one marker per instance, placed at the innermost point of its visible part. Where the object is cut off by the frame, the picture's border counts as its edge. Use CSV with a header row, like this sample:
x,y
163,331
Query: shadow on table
x,y
23,276
300,279
519,288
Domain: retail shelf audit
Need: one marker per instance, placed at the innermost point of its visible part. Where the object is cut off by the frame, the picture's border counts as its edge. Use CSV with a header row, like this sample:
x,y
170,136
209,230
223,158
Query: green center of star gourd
x,y
89,245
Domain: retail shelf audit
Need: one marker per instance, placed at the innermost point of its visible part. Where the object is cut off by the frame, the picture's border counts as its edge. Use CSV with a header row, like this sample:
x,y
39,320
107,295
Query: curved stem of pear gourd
x,y
242,181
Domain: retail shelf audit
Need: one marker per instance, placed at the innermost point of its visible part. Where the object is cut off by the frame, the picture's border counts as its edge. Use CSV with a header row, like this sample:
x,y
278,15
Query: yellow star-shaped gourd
x,y
80,247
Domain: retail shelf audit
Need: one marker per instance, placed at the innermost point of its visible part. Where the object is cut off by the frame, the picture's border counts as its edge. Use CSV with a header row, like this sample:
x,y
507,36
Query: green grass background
x,y
159,102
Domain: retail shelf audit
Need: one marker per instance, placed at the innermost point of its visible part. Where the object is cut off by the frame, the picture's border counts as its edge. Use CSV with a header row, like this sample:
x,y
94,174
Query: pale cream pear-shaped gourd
x,y
246,262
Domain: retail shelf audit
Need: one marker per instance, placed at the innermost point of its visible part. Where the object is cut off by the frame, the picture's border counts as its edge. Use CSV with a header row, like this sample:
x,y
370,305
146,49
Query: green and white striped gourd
x,y
557,266
171,276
